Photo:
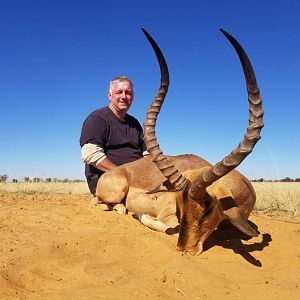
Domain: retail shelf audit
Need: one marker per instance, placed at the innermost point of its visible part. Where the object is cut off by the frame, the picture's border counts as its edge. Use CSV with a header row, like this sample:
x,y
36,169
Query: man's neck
x,y
120,115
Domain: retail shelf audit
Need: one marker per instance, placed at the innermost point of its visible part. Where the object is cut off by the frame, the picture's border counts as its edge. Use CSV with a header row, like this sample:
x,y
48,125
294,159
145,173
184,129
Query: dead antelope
x,y
186,190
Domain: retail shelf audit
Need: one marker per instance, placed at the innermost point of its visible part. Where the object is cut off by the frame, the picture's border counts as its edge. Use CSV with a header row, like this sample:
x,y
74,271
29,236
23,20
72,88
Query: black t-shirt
x,y
121,140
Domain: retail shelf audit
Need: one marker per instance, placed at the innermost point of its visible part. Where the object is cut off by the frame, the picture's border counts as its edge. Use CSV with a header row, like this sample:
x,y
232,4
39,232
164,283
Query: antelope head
x,y
198,192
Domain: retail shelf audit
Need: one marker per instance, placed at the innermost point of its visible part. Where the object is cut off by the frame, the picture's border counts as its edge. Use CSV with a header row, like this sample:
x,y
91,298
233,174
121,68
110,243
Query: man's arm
x,y
105,165
94,155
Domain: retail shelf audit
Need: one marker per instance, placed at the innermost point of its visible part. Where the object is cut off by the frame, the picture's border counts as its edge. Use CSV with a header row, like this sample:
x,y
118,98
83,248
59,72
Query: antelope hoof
x,y
120,208
95,203
104,207
137,216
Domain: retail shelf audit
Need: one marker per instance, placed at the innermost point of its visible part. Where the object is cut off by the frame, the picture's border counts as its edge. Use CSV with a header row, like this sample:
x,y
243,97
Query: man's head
x,y
120,95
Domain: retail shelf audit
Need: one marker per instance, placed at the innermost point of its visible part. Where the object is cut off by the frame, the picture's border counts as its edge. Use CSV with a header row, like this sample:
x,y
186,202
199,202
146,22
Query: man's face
x,y
121,96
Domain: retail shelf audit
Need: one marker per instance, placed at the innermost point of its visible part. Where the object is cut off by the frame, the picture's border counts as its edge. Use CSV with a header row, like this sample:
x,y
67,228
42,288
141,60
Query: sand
x,y
54,246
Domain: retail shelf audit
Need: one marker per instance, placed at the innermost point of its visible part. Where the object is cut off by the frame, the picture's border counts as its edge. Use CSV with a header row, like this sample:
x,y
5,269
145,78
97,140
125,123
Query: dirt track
x,y
56,247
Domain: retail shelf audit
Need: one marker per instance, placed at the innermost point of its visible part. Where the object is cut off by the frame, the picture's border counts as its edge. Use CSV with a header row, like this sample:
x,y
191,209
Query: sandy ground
x,y
57,247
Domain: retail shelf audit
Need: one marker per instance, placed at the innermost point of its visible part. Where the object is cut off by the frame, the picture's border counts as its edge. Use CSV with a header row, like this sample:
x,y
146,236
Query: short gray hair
x,y
119,78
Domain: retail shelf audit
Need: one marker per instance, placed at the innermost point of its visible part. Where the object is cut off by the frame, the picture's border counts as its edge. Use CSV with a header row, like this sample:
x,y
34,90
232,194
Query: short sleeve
x,y
94,130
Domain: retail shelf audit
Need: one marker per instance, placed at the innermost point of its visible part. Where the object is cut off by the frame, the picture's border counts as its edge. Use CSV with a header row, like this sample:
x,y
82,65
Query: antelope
x,y
185,193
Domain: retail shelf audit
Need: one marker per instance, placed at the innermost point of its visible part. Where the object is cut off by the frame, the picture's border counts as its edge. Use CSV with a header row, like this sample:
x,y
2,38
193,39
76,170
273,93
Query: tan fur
x,y
131,181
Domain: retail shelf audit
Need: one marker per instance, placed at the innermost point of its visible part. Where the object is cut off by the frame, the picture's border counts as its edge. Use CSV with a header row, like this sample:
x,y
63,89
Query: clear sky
x,y
57,58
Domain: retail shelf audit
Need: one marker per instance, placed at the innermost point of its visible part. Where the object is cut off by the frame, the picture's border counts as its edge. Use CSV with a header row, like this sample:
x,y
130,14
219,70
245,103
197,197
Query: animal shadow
x,y
229,237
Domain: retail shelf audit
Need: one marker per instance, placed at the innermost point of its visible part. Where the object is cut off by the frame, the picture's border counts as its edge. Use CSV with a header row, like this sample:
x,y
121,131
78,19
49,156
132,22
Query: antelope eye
x,y
208,208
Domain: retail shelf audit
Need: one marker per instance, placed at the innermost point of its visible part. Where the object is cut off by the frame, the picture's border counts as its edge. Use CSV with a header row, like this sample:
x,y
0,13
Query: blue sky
x,y
57,58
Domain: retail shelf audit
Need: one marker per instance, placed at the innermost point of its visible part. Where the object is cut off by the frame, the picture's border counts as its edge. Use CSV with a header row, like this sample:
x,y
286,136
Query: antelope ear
x,y
237,219
166,186
234,214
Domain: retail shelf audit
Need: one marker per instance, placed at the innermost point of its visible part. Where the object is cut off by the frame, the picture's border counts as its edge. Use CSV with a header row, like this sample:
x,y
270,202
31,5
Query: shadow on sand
x,y
229,237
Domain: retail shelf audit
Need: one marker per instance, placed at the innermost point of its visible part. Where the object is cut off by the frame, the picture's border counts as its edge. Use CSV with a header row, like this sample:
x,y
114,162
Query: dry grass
x,y
278,197
271,196
45,187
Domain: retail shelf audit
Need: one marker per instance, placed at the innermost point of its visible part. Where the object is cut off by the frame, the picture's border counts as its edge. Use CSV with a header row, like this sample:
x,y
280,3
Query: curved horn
x,y
252,135
178,182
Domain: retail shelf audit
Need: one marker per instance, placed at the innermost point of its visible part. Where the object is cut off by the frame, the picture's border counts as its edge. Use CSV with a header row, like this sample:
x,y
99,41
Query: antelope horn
x,y
252,135
178,182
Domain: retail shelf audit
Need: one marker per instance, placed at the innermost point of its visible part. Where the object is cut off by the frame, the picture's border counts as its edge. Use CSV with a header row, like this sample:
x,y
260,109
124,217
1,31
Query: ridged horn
x,y
178,182
252,135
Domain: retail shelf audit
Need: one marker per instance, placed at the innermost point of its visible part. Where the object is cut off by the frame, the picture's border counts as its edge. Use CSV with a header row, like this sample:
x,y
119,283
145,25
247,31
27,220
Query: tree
x,y
286,179
26,179
37,179
3,178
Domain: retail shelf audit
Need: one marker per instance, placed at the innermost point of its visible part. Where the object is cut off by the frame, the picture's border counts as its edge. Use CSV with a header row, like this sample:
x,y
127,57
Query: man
x,y
110,137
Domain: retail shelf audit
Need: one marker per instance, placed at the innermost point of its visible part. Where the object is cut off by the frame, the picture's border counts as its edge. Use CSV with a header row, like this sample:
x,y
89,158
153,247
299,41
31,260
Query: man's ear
x,y
109,95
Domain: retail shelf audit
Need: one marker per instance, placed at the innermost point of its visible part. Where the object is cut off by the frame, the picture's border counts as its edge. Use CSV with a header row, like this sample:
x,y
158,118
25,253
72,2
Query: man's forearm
x,y
94,155
106,165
